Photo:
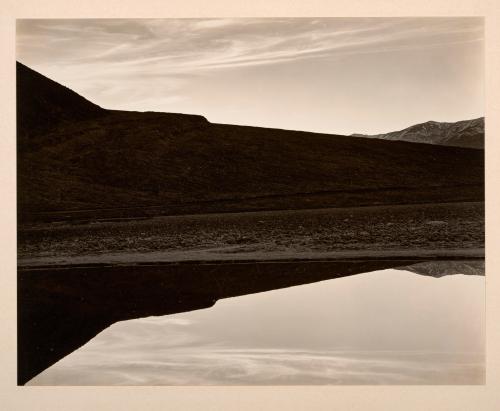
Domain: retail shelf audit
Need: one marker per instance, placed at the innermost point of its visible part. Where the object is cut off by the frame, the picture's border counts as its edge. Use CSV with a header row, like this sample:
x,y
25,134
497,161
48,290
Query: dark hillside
x,y
43,103
163,163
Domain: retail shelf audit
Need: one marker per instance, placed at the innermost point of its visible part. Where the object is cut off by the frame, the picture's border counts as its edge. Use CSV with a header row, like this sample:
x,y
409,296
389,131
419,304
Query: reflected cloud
x,y
272,367
166,320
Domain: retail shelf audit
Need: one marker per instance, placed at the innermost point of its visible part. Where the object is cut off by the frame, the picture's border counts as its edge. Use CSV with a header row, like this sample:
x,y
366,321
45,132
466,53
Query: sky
x,y
329,75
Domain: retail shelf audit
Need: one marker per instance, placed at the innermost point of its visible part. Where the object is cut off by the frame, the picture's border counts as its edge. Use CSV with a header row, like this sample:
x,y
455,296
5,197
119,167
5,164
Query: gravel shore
x,y
444,229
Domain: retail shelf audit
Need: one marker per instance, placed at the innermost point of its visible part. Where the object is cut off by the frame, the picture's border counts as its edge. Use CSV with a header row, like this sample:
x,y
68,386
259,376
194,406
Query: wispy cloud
x,y
191,45
118,62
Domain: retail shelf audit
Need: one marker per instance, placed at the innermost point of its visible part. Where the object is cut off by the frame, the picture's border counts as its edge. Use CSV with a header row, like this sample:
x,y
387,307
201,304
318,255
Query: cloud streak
x,y
187,45
166,64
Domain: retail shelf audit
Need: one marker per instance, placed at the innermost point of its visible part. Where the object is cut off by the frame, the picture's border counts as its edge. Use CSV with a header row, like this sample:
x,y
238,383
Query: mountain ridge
x,y
50,103
464,133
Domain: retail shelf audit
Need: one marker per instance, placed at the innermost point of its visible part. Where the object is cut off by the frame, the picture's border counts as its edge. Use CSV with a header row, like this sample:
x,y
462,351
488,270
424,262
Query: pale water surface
x,y
383,327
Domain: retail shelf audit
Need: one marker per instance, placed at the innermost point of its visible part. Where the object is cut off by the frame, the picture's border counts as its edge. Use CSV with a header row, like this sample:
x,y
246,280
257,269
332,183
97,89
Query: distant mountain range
x,y
77,159
467,133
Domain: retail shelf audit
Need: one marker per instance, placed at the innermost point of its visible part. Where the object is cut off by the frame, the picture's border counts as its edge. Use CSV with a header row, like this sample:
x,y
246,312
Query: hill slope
x,y
43,103
467,133
74,156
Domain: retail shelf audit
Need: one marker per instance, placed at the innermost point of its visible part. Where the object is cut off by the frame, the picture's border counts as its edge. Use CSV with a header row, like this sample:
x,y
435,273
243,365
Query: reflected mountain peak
x,y
439,269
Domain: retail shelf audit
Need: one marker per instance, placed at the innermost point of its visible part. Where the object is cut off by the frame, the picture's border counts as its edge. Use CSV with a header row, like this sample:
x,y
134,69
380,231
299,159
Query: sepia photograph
x,y
250,201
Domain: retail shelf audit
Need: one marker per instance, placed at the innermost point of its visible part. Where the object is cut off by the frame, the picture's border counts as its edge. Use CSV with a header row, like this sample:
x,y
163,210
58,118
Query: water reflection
x,y
442,268
386,327
61,308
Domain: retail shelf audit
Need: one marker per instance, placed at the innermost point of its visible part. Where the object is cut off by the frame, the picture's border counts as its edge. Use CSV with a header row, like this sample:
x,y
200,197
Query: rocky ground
x,y
410,228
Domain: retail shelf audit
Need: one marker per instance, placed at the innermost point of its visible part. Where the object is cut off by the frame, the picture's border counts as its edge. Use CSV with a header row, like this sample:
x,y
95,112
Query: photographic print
x,y
250,201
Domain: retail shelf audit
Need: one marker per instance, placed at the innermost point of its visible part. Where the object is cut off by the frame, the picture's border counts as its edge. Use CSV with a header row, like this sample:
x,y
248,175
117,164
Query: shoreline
x,y
451,230
207,257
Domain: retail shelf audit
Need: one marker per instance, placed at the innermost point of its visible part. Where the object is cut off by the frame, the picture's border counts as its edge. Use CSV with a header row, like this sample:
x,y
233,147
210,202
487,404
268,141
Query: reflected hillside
x,y
60,309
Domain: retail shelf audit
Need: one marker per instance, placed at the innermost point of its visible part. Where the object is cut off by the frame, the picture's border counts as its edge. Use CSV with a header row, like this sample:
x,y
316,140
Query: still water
x,y
392,326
